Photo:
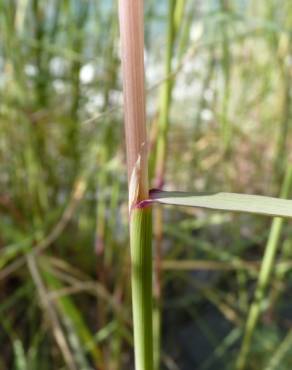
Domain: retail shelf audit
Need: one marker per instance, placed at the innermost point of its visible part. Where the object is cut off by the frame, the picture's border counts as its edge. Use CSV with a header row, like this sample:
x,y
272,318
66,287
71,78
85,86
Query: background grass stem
x,y
264,277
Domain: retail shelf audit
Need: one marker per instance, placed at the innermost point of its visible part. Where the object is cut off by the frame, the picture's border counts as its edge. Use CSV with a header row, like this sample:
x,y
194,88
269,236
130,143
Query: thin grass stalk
x,y
202,102
110,72
55,23
131,30
175,15
188,15
226,129
281,145
264,277
163,125
115,254
100,237
221,349
280,274
77,45
280,352
42,75
14,56
110,65
165,97
59,335
66,308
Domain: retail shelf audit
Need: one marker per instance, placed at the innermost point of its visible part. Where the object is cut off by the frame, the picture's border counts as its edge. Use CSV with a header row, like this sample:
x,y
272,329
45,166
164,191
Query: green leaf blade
x,y
234,202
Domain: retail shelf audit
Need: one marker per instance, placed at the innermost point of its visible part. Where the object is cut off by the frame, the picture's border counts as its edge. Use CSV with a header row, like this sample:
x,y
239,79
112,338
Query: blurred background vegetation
x,y
218,76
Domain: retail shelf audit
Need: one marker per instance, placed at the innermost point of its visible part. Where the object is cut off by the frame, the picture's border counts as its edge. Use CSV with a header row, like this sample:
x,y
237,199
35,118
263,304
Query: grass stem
x,y
132,37
264,277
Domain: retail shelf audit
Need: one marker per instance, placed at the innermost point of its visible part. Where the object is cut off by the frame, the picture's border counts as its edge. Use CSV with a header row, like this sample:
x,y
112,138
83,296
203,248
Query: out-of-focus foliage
x,y
64,256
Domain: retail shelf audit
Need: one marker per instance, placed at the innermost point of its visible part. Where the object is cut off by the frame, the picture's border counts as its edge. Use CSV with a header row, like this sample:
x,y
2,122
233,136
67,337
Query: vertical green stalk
x,y
202,102
42,75
175,15
79,21
226,129
286,76
280,352
163,124
132,37
141,257
110,65
264,277
159,164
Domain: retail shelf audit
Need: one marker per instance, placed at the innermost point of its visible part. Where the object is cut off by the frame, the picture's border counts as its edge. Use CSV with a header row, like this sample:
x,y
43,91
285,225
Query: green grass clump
x,y
218,87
